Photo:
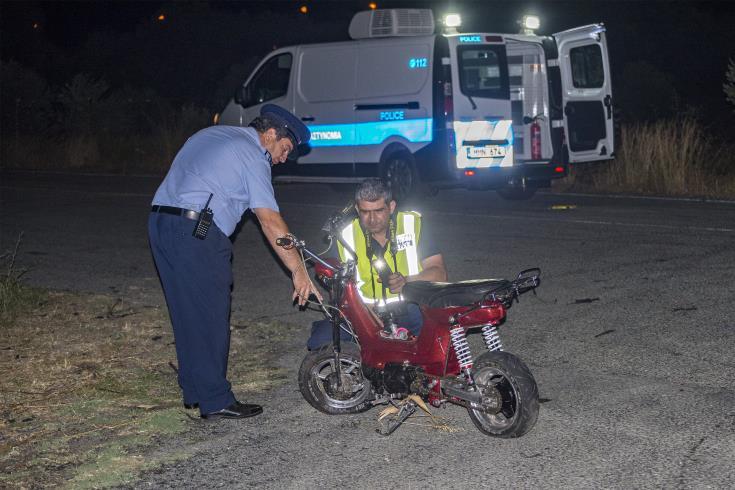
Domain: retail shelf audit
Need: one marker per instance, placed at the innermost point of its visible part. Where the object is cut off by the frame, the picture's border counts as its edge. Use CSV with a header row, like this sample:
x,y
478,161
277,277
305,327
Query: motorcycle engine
x,y
394,379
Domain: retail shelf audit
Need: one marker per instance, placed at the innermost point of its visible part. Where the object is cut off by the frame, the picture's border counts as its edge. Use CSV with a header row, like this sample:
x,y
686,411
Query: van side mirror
x,y
241,95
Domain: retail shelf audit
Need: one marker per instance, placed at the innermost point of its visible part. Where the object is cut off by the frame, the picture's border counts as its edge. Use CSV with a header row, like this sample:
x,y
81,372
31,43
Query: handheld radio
x,y
204,222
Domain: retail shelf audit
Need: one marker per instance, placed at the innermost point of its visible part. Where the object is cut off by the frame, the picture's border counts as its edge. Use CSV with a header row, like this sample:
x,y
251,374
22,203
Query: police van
x,y
481,110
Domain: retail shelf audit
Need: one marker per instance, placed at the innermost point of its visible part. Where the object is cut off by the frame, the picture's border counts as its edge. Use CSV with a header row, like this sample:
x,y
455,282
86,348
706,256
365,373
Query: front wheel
x,y
509,406
318,381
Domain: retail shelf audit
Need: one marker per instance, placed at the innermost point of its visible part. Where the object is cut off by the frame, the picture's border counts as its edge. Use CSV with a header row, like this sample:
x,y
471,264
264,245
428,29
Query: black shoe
x,y
235,411
191,406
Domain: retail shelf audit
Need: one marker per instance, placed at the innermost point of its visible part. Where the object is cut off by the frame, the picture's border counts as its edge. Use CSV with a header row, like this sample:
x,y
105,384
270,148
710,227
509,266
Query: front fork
x,y
336,347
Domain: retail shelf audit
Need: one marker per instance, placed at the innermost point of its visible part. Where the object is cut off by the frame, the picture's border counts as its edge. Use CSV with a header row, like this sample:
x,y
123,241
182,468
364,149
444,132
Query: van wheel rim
x,y
399,176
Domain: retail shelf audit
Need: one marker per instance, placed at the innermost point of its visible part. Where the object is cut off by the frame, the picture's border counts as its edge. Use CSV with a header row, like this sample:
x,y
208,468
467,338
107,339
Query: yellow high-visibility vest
x,y
408,234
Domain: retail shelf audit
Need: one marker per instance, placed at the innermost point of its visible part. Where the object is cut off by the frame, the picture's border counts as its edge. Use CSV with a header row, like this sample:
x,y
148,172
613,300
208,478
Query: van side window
x,y
270,82
483,71
587,67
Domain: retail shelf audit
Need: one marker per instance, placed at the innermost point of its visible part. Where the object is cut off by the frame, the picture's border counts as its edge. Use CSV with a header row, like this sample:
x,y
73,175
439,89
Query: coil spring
x,y
461,347
491,337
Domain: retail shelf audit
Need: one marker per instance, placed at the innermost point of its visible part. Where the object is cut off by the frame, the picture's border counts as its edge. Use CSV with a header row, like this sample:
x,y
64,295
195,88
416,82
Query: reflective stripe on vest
x,y
408,234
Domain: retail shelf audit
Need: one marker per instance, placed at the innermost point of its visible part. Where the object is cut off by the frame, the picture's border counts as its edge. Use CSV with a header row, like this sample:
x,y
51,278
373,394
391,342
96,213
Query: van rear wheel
x,y
517,193
400,174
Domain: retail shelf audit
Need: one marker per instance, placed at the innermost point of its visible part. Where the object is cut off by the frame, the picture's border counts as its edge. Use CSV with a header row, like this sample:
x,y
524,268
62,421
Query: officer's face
x,y
282,148
278,148
375,215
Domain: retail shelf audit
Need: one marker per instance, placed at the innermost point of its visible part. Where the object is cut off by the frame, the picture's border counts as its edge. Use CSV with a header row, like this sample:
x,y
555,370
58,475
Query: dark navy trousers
x,y
196,276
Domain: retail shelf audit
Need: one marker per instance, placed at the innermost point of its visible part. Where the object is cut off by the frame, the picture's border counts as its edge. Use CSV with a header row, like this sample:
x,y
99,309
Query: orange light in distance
x,y
469,173
161,18
373,5
304,9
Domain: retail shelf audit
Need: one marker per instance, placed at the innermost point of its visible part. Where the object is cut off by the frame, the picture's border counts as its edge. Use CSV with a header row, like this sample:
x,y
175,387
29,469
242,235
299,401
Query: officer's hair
x,y
263,123
373,189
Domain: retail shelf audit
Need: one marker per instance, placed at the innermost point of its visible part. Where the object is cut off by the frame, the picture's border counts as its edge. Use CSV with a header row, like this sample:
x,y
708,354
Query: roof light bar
x,y
452,20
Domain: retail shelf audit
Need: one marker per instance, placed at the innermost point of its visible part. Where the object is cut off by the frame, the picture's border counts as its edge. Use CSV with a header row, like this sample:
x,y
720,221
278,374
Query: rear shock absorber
x,y
461,348
491,337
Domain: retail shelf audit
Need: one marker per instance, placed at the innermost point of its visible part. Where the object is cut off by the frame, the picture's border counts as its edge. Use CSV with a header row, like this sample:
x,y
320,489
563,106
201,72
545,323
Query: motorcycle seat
x,y
444,294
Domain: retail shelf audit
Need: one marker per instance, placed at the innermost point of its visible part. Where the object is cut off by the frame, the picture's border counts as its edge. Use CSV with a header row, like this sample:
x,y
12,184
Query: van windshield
x,y
483,71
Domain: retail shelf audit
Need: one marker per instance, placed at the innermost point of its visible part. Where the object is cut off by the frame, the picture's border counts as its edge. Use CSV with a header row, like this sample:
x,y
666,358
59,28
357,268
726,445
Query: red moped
x,y
382,366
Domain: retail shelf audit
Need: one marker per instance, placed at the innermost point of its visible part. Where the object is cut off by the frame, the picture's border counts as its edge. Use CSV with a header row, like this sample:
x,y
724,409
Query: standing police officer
x,y
218,174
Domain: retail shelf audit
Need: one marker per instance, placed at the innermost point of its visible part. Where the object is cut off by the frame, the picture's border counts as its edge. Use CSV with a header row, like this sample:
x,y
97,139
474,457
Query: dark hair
x,y
373,189
263,123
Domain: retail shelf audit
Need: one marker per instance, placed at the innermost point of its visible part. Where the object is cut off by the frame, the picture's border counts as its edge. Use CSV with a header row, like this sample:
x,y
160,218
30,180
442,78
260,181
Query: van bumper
x,y
537,174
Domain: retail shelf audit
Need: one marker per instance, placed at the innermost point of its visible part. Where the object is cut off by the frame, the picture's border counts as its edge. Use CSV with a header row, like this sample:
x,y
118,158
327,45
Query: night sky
x,y
689,43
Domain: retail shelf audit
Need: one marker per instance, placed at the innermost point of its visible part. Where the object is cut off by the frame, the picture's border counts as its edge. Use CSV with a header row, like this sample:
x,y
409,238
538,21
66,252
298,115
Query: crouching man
x,y
398,240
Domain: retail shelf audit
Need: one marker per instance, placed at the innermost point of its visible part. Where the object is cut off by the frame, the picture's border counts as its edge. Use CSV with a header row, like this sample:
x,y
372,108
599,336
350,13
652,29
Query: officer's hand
x,y
303,287
396,281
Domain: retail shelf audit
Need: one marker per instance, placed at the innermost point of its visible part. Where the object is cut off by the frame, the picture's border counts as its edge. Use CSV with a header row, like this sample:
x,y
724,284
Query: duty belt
x,y
186,213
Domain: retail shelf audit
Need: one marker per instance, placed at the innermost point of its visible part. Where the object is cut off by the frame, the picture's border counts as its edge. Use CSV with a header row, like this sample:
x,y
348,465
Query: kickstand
x,y
392,417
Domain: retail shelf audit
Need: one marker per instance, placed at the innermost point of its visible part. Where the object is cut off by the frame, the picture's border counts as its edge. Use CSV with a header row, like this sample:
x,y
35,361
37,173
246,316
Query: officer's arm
x,y
275,227
434,270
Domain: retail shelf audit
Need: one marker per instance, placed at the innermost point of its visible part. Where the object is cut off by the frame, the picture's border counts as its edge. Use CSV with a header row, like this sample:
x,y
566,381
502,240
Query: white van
x,y
501,111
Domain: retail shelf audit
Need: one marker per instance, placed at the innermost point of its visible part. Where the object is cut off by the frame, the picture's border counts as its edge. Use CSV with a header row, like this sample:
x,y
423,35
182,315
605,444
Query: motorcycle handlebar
x,y
526,280
290,241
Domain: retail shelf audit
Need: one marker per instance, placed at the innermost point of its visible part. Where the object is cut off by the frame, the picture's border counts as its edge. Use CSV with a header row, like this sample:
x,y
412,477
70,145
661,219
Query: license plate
x,y
485,151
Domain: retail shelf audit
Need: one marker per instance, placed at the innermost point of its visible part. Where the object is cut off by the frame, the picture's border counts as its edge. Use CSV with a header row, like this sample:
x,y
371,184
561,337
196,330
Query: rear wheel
x,y
509,406
400,174
517,193
318,381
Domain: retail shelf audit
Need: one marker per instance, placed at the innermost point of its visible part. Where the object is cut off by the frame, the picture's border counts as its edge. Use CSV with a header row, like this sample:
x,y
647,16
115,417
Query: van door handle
x,y
307,118
608,104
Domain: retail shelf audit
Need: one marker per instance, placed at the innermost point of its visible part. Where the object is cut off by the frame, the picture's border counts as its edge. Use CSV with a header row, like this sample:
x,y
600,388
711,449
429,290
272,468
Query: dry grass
x,y
674,158
89,384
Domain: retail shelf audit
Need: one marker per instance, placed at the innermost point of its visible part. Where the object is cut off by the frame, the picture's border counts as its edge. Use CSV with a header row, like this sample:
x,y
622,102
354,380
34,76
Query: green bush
x,y
669,157
729,85
85,124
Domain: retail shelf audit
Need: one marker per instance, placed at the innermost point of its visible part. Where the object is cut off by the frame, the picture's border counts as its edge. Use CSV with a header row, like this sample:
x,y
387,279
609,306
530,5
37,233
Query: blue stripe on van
x,y
370,133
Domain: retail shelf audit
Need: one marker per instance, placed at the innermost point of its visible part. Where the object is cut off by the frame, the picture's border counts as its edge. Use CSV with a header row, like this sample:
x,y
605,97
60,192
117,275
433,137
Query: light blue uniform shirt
x,y
227,161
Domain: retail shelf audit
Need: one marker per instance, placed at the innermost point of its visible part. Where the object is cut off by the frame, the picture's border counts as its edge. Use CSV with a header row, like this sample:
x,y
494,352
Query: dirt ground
x,y
89,388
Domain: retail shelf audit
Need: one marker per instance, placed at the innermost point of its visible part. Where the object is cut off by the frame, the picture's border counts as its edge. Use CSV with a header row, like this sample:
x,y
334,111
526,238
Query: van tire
x,y
517,193
399,172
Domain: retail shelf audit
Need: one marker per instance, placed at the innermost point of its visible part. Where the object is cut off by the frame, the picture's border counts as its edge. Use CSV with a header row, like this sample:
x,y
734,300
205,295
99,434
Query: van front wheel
x,y
400,174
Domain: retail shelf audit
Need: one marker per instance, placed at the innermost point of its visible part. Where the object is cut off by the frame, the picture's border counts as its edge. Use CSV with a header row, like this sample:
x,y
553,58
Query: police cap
x,y
298,130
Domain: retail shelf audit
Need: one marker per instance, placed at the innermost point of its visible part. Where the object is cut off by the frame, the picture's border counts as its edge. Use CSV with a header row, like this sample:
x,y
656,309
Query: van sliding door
x,y
586,93
393,97
324,99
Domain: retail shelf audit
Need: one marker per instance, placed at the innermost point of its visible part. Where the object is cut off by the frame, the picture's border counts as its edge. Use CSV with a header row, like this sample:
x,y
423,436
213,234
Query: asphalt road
x,y
630,338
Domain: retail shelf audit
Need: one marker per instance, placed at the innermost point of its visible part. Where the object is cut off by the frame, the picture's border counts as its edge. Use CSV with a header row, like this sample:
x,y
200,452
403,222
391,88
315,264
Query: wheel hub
x,y
492,400
333,389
